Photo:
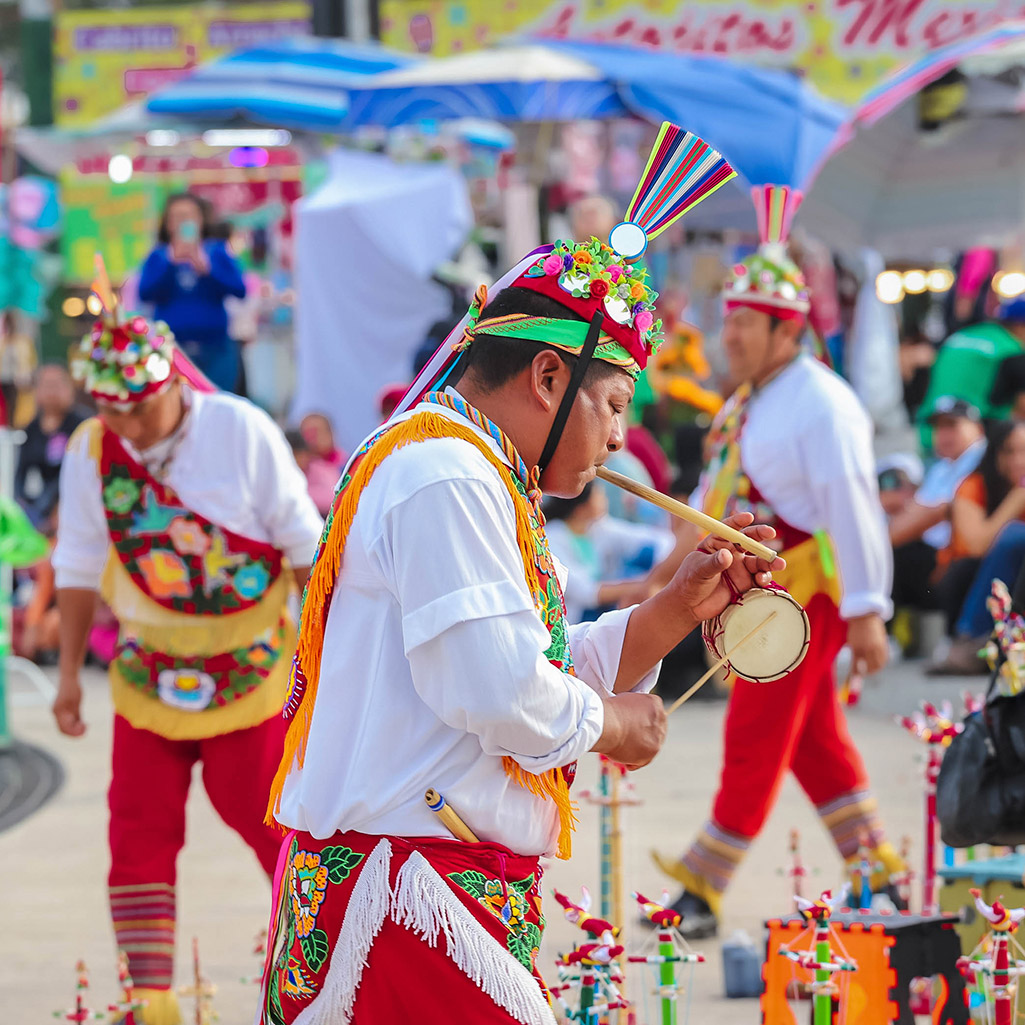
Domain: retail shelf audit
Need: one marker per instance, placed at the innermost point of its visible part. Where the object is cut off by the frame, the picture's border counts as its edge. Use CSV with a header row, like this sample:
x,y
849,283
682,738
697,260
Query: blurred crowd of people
x,y
959,523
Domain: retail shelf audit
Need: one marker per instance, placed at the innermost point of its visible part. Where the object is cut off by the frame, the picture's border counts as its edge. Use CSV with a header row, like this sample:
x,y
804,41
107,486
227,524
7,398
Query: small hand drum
x,y
768,654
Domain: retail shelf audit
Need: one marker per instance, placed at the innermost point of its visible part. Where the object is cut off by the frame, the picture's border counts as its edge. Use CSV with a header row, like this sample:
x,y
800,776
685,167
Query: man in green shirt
x,y
967,363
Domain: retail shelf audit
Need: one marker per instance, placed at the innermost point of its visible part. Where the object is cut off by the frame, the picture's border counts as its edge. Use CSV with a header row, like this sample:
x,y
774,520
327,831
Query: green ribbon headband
x,y
568,335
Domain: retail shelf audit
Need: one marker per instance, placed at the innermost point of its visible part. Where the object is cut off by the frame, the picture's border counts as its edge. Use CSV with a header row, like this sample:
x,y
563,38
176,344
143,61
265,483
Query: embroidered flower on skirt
x,y
484,900
308,883
510,903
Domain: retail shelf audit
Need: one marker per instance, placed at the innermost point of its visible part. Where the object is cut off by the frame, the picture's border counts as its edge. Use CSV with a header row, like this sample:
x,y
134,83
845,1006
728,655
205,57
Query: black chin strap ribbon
x,y
576,379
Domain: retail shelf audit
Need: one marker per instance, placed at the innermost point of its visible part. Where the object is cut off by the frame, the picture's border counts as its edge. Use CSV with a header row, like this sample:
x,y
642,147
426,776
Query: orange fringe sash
x,y
550,785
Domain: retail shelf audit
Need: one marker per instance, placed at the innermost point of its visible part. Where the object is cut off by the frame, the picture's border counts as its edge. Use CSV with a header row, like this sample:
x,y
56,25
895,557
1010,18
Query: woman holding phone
x,y
187,277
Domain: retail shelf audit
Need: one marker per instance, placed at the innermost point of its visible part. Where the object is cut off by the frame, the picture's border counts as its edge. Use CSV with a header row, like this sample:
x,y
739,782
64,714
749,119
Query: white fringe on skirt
x,y
364,917
423,902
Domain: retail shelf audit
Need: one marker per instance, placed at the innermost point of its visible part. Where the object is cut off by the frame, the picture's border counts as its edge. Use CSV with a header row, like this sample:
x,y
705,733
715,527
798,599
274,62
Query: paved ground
x,y
53,865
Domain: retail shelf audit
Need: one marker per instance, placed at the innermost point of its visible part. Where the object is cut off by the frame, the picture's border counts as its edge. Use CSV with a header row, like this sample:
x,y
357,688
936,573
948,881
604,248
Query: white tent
x,y
908,193
367,243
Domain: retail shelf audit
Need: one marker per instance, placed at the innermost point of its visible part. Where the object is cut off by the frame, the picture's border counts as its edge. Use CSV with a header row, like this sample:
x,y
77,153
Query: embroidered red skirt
x,y
371,929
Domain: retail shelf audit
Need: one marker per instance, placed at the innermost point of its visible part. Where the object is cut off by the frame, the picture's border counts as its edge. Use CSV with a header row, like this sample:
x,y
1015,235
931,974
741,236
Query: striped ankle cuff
x,y
852,819
144,919
712,859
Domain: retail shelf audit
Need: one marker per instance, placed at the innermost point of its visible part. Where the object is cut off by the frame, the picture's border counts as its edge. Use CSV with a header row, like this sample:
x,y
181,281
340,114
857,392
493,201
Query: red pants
x,y
148,790
794,724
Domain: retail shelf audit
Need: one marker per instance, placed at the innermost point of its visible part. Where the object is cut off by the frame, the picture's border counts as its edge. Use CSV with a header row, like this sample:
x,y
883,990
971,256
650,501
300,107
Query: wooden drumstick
x,y
685,512
718,665
455,825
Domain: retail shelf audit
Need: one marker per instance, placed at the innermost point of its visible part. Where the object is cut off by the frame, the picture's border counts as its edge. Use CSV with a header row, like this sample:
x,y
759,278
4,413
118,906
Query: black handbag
x,y
980,793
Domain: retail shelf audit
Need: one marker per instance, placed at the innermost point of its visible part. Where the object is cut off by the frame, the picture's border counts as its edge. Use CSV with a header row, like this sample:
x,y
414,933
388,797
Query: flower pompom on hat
x,y
124,358
768,280
124,363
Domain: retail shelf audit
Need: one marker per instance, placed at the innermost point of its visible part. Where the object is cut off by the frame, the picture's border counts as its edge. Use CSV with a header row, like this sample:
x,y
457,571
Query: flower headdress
x,y
769,280
123,359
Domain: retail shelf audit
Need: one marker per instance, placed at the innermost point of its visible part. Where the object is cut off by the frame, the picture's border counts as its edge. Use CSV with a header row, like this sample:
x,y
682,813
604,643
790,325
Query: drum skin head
x,y
773,652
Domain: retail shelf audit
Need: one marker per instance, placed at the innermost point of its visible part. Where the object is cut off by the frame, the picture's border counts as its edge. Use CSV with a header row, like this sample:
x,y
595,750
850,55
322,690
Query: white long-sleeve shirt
x,y
433,666
807,446
231,465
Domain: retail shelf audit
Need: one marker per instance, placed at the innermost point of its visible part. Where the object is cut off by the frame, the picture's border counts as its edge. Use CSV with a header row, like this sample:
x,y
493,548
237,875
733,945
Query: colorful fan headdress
x,y
600,282
769,280
125,359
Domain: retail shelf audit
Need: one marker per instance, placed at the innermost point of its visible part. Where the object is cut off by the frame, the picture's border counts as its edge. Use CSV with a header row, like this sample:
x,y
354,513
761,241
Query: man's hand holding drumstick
x,y
704,585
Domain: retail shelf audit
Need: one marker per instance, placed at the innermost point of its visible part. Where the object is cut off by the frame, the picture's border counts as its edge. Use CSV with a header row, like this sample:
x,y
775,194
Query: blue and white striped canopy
x,y
297,83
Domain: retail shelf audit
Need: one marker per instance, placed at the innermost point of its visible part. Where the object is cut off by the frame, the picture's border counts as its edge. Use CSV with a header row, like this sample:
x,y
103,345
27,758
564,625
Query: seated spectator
x,y
326,461
36,480
920,528
987,540
608,559
900,476
36,624
1009,390
35,617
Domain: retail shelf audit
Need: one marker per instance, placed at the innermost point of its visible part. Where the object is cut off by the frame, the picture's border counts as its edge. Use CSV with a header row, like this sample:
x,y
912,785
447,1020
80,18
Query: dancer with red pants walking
x,y
187,509
794,446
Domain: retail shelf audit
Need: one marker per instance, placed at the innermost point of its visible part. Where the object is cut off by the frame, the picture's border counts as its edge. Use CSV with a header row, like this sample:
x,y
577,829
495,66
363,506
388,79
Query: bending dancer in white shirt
x,y
434,652
189,511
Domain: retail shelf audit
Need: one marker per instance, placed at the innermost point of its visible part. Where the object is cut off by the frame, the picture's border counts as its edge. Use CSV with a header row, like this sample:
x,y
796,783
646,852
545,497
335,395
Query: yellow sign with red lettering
x,y
845,47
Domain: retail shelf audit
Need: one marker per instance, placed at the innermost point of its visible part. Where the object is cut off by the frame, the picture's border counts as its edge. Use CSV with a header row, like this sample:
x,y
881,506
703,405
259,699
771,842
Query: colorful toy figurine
x,y
664,951
934,726
80,1012
590,969
997,962
821,959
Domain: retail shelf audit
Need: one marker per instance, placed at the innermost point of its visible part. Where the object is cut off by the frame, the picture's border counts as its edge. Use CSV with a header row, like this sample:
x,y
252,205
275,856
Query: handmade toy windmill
x,y
935,727
125,1009
81,1012
997,963
614,793
665,952
822,959
202,990
590,970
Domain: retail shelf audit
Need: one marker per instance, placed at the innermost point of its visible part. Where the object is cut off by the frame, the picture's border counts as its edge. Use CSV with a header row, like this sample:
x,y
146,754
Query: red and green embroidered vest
x,y
208,582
